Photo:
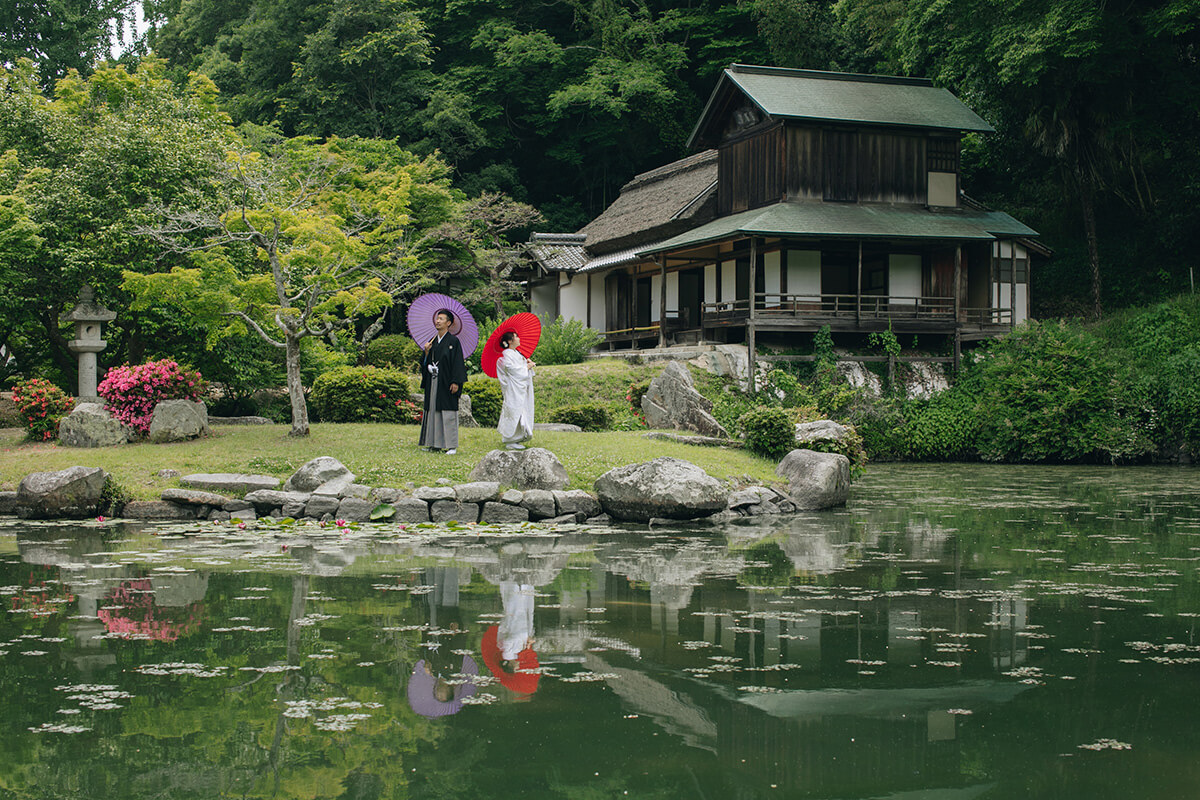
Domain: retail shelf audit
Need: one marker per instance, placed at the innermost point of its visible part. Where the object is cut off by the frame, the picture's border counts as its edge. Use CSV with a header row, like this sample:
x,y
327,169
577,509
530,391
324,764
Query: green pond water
x,y
955,632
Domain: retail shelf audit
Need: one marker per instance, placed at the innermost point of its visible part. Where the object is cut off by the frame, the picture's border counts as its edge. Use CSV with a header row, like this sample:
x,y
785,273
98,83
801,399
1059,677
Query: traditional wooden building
x,y
813,199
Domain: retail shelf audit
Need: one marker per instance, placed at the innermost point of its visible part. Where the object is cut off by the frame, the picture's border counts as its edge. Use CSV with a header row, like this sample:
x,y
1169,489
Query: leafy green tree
x,y
313,238
480,236
1081,82
77,174
60,36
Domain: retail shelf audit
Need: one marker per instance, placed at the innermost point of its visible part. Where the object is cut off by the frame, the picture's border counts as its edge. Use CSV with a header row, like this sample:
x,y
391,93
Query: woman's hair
x,y
506,339
449,314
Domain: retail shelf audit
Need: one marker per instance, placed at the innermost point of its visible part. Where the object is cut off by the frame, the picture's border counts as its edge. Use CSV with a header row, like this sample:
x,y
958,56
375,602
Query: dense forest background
x,y
557,104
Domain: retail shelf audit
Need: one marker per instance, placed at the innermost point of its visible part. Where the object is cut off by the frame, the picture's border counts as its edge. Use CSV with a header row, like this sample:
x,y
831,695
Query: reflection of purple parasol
x,y
422,698
425,308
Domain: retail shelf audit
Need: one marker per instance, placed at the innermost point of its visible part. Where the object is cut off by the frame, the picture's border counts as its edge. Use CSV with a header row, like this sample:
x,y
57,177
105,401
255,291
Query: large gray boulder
x,y
816,480
178,421
316,473
535,468
71,493
90,425
821,430
673,402
665,487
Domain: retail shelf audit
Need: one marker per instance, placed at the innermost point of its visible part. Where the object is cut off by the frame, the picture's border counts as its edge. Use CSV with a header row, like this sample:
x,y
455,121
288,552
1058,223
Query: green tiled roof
x,y
848,220
840,97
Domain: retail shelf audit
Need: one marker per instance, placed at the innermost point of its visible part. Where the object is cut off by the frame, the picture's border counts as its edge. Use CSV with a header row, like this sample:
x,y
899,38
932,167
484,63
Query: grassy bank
x,y
380,455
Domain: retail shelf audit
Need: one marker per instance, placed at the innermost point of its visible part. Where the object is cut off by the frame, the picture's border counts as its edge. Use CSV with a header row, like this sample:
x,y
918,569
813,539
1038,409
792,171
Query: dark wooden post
x,y
1012,286
858,288
957,285
662,301
750,332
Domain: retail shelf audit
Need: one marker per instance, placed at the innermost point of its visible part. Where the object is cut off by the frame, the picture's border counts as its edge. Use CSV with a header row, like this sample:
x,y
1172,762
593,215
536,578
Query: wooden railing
x,y
771,304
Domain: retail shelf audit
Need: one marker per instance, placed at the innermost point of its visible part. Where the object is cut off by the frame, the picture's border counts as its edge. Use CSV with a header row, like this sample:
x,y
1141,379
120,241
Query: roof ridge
x,y
859,77
674,168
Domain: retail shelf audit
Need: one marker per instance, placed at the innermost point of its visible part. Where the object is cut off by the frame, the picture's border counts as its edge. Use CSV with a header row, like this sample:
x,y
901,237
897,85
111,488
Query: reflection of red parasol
x,y
524,680
425,308
527,326
422,698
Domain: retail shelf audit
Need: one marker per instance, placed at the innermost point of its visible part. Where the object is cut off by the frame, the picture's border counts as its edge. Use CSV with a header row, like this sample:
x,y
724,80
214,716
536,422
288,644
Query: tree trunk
x,y
1093,247
295,386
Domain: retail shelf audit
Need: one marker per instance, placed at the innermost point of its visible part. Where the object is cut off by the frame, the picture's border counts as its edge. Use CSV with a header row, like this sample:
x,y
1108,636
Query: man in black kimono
x,y
443,373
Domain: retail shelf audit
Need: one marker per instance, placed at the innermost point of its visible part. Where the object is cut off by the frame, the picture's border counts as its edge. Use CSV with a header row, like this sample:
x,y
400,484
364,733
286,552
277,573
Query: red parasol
x,y
525,680
425,308
526,325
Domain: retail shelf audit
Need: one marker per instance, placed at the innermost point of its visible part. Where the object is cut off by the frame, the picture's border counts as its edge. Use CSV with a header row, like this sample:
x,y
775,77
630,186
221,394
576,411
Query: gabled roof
x,y
835,97
656,205
849,220
558,252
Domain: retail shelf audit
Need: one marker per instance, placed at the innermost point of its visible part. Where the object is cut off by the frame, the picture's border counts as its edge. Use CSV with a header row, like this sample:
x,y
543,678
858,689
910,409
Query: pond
x,y
958,631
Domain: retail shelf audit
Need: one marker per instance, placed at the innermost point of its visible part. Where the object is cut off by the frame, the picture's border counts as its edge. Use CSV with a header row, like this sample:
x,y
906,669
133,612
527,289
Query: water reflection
x,y
974,631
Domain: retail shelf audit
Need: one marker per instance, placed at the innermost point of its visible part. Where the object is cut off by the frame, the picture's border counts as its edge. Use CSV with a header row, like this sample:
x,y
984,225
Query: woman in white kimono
x,y
515,372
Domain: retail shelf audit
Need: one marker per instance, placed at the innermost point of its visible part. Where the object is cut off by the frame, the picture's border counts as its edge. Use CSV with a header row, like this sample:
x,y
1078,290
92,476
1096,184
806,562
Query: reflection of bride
x,y
508,647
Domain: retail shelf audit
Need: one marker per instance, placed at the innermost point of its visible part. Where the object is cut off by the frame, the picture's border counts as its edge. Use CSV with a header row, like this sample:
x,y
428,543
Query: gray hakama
x,y
439,430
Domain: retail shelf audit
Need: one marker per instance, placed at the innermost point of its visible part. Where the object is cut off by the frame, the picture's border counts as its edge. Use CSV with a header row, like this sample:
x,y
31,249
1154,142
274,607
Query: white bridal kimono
x,y
516,382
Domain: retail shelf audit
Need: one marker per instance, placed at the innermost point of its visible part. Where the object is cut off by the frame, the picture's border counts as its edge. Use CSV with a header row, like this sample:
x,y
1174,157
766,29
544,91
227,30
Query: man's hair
x,y
449,314
506,338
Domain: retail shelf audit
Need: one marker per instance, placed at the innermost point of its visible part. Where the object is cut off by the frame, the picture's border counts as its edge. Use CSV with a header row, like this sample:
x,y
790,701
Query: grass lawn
x,y
379,455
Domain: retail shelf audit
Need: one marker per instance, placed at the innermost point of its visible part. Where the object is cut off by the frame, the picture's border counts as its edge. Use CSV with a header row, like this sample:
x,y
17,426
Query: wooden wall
x,y
833,164
750,171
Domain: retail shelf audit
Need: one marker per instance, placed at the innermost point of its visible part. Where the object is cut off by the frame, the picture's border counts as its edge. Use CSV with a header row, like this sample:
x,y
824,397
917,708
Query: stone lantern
x,y
87,316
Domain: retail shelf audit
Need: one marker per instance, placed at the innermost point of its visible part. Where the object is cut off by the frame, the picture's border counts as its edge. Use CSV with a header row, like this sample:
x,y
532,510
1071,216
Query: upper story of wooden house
x,y
813,198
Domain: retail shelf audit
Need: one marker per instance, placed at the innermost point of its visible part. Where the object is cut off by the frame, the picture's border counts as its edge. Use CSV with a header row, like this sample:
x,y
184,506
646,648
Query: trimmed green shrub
x,y
589,416
394,351
486,400
565,342
41,405
1050,392
769,431
361,394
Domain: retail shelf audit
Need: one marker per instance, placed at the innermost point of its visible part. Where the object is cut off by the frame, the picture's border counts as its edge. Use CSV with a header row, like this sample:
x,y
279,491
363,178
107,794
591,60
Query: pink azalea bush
x,y
130,393
42,405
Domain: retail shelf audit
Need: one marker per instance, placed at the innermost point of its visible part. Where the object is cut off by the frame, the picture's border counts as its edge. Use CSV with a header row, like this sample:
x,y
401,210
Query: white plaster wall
x,y
771,275
804,274
943,189
598,317
541,300
1022,303
655,289
672,291
572,299
904,277
710,284
729,281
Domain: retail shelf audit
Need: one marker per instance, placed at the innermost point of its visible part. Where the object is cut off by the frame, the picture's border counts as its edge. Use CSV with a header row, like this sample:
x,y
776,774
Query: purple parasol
x,y
425,308
421,686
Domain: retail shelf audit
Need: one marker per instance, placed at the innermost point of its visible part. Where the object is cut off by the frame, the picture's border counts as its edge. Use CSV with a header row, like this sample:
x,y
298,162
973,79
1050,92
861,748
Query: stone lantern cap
x,y
87,316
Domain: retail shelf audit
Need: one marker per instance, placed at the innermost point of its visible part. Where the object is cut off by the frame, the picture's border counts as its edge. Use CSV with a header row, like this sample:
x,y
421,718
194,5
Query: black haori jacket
x,y
451,368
